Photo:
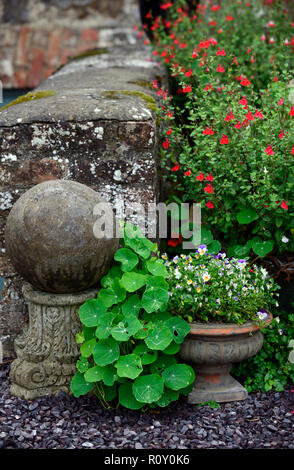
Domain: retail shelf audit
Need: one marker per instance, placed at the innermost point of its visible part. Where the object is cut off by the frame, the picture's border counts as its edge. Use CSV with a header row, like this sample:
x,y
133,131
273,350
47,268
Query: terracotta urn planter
x,y
211,349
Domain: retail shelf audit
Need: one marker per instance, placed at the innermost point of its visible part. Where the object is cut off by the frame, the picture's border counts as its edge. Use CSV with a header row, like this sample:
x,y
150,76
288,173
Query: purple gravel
x,y
263,421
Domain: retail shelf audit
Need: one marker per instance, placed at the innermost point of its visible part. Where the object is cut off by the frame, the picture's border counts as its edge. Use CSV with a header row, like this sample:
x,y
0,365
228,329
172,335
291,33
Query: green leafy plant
x,y
291,354
129,339
271,368
228,141
214,288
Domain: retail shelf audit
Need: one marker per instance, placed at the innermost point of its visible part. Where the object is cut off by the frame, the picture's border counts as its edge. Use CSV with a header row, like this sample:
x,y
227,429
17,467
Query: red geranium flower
x,y
220,69
284,205
188,173
281,135
258,114
175,240
165,6
209,177
208,131
269,150
165,144
224,140
221,52
210,205
245,82
291,113
176,167
208,189
200,177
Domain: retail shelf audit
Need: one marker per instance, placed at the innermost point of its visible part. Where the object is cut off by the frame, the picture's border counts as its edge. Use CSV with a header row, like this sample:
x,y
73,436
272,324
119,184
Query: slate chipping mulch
x,y
263,421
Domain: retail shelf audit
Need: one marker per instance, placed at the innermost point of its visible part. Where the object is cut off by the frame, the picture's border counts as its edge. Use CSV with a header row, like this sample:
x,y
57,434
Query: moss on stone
x,y
142,83
89,53
114,94
35,95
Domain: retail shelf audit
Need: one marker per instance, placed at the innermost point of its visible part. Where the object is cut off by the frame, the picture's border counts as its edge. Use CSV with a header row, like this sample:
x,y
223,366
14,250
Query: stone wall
x,y
99,128
37,36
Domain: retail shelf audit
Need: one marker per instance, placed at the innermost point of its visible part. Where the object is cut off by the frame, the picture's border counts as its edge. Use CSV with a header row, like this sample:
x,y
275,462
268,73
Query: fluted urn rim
x,y
226,329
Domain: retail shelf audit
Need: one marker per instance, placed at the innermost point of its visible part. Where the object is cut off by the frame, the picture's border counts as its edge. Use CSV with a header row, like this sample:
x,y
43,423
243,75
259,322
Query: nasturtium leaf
x,y
82,365
109,375
134,239
157,282
104,325
80,338
178,376
108,279
185,391
105,352
90,311
133,281
148,388
154,299
127,258
89,333
214,247
162,363
159,338
110,392
247,216
129,366
206,236
79,386
167,397
87,347
241,251
262,248
173,348
132,323
179,328
112,295
126,397
142,333
132,305
142,246
94,374
128,327
147,356
156,267
120,333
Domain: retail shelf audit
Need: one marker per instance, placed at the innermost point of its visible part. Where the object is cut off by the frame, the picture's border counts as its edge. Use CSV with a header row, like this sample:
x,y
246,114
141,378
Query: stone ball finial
x,y
50,241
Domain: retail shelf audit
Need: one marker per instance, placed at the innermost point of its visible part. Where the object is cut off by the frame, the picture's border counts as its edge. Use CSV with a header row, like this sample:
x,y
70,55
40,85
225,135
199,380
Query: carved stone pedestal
x,y
47,351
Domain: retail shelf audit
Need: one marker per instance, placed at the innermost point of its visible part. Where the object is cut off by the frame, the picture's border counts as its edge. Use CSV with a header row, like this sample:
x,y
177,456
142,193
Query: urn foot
x,y
216,384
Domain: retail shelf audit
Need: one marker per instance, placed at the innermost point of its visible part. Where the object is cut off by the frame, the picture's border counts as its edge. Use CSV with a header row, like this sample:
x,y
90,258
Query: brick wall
x,y
37,37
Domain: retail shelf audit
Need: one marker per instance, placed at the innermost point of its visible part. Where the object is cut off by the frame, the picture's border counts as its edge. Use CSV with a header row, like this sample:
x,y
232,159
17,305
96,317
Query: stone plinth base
x,y
47,351
214,383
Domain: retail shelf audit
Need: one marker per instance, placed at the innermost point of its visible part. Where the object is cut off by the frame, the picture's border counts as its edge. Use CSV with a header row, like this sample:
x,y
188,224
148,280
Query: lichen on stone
x,y
114,94
89,53
142,83
35,95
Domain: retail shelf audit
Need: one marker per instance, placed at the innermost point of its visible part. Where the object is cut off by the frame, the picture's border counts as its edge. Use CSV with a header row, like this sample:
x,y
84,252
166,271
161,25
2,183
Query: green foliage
x,y
215,288
129,340
230,122
271,368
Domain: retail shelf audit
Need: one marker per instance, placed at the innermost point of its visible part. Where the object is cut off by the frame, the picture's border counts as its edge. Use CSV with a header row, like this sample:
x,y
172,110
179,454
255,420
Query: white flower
x,y
261,315
265,171
178,275
278,319
206,277
285,239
